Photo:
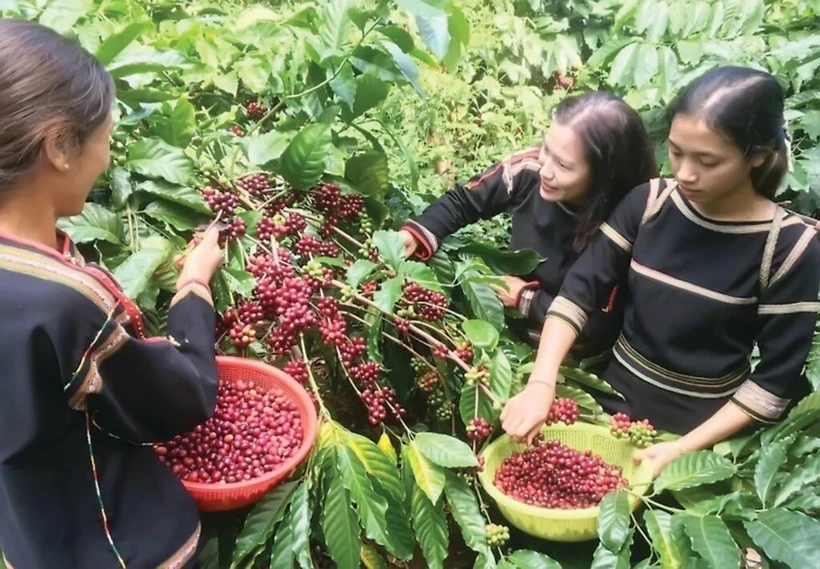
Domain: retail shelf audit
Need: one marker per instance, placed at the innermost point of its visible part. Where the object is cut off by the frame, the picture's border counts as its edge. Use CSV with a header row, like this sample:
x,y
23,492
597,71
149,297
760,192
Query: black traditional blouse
x,y
82,396
547,228
701,293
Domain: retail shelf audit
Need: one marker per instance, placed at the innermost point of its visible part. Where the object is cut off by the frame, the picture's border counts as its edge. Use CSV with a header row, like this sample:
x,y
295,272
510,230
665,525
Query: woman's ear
x,y
56,151
760,158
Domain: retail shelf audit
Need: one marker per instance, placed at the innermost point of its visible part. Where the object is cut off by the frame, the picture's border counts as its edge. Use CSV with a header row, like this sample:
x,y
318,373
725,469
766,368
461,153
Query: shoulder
x,y
522,162
797,250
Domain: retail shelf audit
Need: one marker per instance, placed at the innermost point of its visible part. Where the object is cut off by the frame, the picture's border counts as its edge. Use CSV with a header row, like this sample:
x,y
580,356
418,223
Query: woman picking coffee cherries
x,y
712,266
595,152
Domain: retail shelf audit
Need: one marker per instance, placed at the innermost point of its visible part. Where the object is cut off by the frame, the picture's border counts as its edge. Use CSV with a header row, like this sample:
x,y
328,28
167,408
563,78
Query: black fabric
x,y
70,356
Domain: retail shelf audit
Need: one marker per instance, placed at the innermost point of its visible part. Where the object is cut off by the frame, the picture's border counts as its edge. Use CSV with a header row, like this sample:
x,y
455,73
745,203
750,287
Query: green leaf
x,y
788,537
390,246
370,91
712,541
694,469
359,271
421,274
481,334
623,67
424,8
340,525
371,506
264,148
177,216
117,42
501,379
376,63
428,476
93,224
772,457
406,65
121,186
467,405
377,464
587,379
335,23
430,525
260,522
253,72
155,158
647,66
607,52
466,513
521,262
135,273
371,558
281,556
300,526
664,541
805,413
181,195
804,475
613,520
368,173
445,451
388,294
398,36
525,559
178,127
61,15
344,85
238,281
581,397
375,322
435,33
484,303
809,503
303,162
397,521
603,558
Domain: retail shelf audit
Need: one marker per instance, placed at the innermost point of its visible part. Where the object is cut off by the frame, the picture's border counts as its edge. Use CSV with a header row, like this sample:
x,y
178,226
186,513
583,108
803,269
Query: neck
x,y
28,218
742,204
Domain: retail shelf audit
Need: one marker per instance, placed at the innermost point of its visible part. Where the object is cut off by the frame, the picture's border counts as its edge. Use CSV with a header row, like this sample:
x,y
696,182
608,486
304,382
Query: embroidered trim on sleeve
x,y
425,238
797,251
616,237
791,308
525,302
89,370
758,402
195,288
567,310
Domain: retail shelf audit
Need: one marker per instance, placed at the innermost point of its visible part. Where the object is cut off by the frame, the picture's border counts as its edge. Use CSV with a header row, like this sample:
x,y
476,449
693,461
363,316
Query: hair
x,y
746,106
618,150
49,86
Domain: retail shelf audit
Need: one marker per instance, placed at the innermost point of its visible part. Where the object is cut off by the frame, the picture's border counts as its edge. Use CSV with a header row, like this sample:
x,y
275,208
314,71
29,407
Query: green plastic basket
x,y
555,524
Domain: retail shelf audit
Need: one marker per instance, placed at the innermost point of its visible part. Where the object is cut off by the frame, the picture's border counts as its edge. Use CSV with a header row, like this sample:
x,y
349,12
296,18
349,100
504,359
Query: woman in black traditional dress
x,y
713,266
596,150
83,393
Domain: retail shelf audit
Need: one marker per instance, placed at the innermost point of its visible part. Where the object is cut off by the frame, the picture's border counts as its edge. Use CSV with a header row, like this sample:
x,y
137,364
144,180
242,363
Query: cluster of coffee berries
x,y
255,184
422,303
563,410
551,475
477,374
252,432
564,81
378,401
298,370
497,535
464,351
639,433
478,429
254,111
221,201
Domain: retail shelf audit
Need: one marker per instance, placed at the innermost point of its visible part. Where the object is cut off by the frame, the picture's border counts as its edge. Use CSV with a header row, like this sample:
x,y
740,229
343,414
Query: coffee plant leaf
x,y
526,559
359,271
388,294
613,520
501,378
371,559
300,523
262,149
435,33
445,450
390,247
428,476
420,273
473,403
694,469
303,161
93,224
467,514
134,275
114,44
262,519
430,525
772,459
174,215
371,506
522,262
182,195
588,379
664,541
481,334
785,536
604,558
281,556
581,397
802,415
340,525
712,540
397,522
368,173
805,475
377,464
155,158
484,303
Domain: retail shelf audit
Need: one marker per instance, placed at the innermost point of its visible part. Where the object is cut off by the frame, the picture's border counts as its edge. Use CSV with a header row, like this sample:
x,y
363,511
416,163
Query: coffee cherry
x,y
642,433
478,429
254,111
236,131
441,351
464,351
297,369
327,197
350,206
563,410
497,535
255,184
427,304
619,425
477,374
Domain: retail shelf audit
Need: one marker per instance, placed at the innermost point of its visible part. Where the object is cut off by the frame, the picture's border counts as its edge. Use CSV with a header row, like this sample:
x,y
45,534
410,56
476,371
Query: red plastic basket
x,y
224,496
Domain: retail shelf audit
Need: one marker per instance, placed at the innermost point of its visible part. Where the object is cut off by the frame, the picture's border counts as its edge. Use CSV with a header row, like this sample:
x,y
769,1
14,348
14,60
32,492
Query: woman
x,y
596,151
713,266
83,394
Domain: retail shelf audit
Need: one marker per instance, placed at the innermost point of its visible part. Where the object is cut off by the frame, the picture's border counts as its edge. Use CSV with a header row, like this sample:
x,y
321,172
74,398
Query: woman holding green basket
x,y
712,266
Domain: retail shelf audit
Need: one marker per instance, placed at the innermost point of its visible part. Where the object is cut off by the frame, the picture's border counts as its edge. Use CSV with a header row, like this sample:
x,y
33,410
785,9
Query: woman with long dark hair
x,y
83,393
596,150
713,266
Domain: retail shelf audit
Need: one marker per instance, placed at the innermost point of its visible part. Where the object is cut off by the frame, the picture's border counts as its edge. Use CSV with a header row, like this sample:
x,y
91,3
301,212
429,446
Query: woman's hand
x,y
509,296
524,414
659,455
410,243
201,263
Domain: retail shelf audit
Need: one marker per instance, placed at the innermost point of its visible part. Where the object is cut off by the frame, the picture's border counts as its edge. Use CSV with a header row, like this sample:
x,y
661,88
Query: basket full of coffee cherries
x,y
552,489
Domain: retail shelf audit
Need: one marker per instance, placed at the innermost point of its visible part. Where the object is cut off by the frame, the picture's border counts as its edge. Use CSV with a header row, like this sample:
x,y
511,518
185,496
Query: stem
x,y
640,531
317,219
313,385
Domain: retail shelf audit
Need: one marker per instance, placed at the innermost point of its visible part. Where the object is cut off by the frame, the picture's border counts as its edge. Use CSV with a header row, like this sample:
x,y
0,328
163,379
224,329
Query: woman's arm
x,y
483,197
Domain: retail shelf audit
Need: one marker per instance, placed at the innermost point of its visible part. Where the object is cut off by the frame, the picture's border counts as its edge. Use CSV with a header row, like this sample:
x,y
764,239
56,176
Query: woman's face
x,y
565,172
84,165
707,166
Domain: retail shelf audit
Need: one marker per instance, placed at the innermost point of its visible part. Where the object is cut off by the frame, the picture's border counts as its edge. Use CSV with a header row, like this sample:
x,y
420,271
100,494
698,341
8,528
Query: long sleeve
x,y
603,265
141,390
787,314
483,197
